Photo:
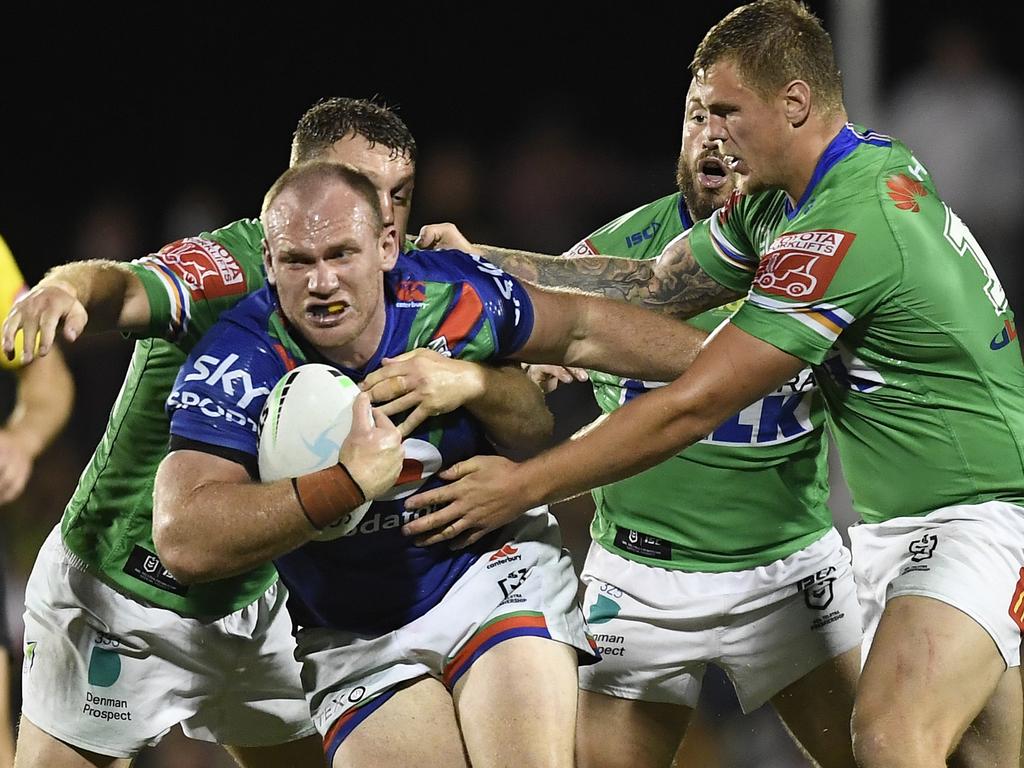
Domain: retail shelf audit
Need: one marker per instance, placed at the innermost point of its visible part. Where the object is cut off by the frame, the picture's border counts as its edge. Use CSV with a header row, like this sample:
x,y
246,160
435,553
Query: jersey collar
x,y
844,143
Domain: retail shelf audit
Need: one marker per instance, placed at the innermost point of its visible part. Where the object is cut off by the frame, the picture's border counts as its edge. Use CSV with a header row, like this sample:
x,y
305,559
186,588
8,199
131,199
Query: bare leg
x,y
624,733
38,749
419,720
817,708
517,705
930,671
988,743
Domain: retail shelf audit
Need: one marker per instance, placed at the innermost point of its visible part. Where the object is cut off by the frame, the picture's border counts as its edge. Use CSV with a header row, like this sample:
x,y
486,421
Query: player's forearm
x,y
221,529
512,409
631,342
45,395
653,432
111,293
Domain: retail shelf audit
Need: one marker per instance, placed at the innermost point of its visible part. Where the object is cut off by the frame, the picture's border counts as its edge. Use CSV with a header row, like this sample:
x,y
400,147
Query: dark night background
x,y
536,124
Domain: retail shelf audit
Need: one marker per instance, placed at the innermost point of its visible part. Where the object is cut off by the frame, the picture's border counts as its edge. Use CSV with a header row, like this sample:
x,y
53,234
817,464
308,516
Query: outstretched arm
x,y
510,407
597,333
734,370
105,294
674,283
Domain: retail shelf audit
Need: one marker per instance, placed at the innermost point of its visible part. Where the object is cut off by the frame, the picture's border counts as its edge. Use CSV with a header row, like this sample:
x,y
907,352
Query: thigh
x,y
993,740
38,749
417,720
90,676
929,673
612,732
533,720
817,708
264,706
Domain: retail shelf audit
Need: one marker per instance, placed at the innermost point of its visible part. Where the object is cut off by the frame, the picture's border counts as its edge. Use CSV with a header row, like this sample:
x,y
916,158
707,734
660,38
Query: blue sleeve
x,y
220,390
492,299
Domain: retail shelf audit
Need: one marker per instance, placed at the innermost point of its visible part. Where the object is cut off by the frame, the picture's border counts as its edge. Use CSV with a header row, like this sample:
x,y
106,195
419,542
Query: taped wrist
x,y
327,495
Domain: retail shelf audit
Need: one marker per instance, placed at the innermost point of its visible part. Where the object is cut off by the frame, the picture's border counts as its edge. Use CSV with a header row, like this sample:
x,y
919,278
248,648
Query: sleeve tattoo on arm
x,y
674,284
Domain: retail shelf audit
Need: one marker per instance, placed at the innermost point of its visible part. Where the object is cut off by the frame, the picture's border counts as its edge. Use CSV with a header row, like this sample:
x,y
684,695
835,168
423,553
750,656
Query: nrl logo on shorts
x,y
819,589
923,548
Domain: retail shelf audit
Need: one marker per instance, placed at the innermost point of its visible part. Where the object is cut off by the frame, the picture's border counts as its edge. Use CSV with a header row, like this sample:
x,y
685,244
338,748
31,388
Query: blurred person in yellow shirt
x,y
41,408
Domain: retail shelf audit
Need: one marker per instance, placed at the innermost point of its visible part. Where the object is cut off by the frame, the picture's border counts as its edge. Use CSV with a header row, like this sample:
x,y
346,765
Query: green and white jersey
x,y
109,521
878,284
752,492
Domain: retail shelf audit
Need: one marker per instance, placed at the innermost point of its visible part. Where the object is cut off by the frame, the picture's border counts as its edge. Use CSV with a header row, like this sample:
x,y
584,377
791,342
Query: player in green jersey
x,y
100,602
851,262
666,562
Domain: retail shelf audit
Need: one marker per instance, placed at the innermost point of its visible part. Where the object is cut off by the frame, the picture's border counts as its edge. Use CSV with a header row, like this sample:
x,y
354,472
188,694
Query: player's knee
x,y
890,741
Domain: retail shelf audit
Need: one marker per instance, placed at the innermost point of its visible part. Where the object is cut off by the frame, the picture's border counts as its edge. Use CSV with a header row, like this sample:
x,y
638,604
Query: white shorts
x,y
968,556
111,674
766,627
526,587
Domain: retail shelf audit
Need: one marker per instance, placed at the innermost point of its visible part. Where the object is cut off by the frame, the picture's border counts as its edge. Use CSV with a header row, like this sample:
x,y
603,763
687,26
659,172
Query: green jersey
x,y
753,491
109,521
876,282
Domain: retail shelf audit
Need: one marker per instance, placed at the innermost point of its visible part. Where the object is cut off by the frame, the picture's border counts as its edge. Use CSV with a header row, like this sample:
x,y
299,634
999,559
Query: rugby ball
x,y
305,420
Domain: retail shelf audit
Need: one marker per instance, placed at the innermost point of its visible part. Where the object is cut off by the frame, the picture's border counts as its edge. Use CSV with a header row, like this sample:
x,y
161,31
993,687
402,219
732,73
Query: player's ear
x,y
797,95
388,247
267,263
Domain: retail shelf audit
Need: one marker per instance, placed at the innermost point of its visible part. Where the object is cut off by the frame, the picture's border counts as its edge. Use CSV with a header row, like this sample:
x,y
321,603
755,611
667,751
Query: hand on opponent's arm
x,y
426,383
106,292
211,520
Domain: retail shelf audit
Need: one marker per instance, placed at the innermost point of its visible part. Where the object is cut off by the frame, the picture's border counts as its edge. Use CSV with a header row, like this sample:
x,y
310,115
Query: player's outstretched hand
x,y
40,312
548,377
484,496
372,452
425,382
443,236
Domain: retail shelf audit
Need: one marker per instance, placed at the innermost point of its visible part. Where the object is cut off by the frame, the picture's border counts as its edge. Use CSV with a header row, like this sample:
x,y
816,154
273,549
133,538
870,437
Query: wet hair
x,y
331,120
772,42
305,176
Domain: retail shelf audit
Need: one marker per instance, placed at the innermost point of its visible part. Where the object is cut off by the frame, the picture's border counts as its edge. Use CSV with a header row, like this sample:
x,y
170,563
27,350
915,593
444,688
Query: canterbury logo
x,y
506,551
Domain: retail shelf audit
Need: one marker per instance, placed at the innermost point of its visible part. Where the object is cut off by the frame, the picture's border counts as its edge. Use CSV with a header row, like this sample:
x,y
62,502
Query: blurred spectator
x,y
960,115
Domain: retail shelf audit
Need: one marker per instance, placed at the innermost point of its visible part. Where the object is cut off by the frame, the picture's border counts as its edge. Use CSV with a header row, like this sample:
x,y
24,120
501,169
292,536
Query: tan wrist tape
x,y
327,495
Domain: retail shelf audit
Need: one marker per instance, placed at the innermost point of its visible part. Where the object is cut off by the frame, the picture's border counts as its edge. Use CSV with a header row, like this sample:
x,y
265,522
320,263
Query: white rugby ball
x,y
305,420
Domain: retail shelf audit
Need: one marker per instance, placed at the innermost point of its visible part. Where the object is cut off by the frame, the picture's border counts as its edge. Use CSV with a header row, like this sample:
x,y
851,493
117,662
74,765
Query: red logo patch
x,y
1017,602
506,551
800,265
905,192
411,290
207,268
583,248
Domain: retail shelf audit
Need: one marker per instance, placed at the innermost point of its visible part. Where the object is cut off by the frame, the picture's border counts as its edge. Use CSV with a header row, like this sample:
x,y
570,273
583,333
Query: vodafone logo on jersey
x,y
208,269
801,265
